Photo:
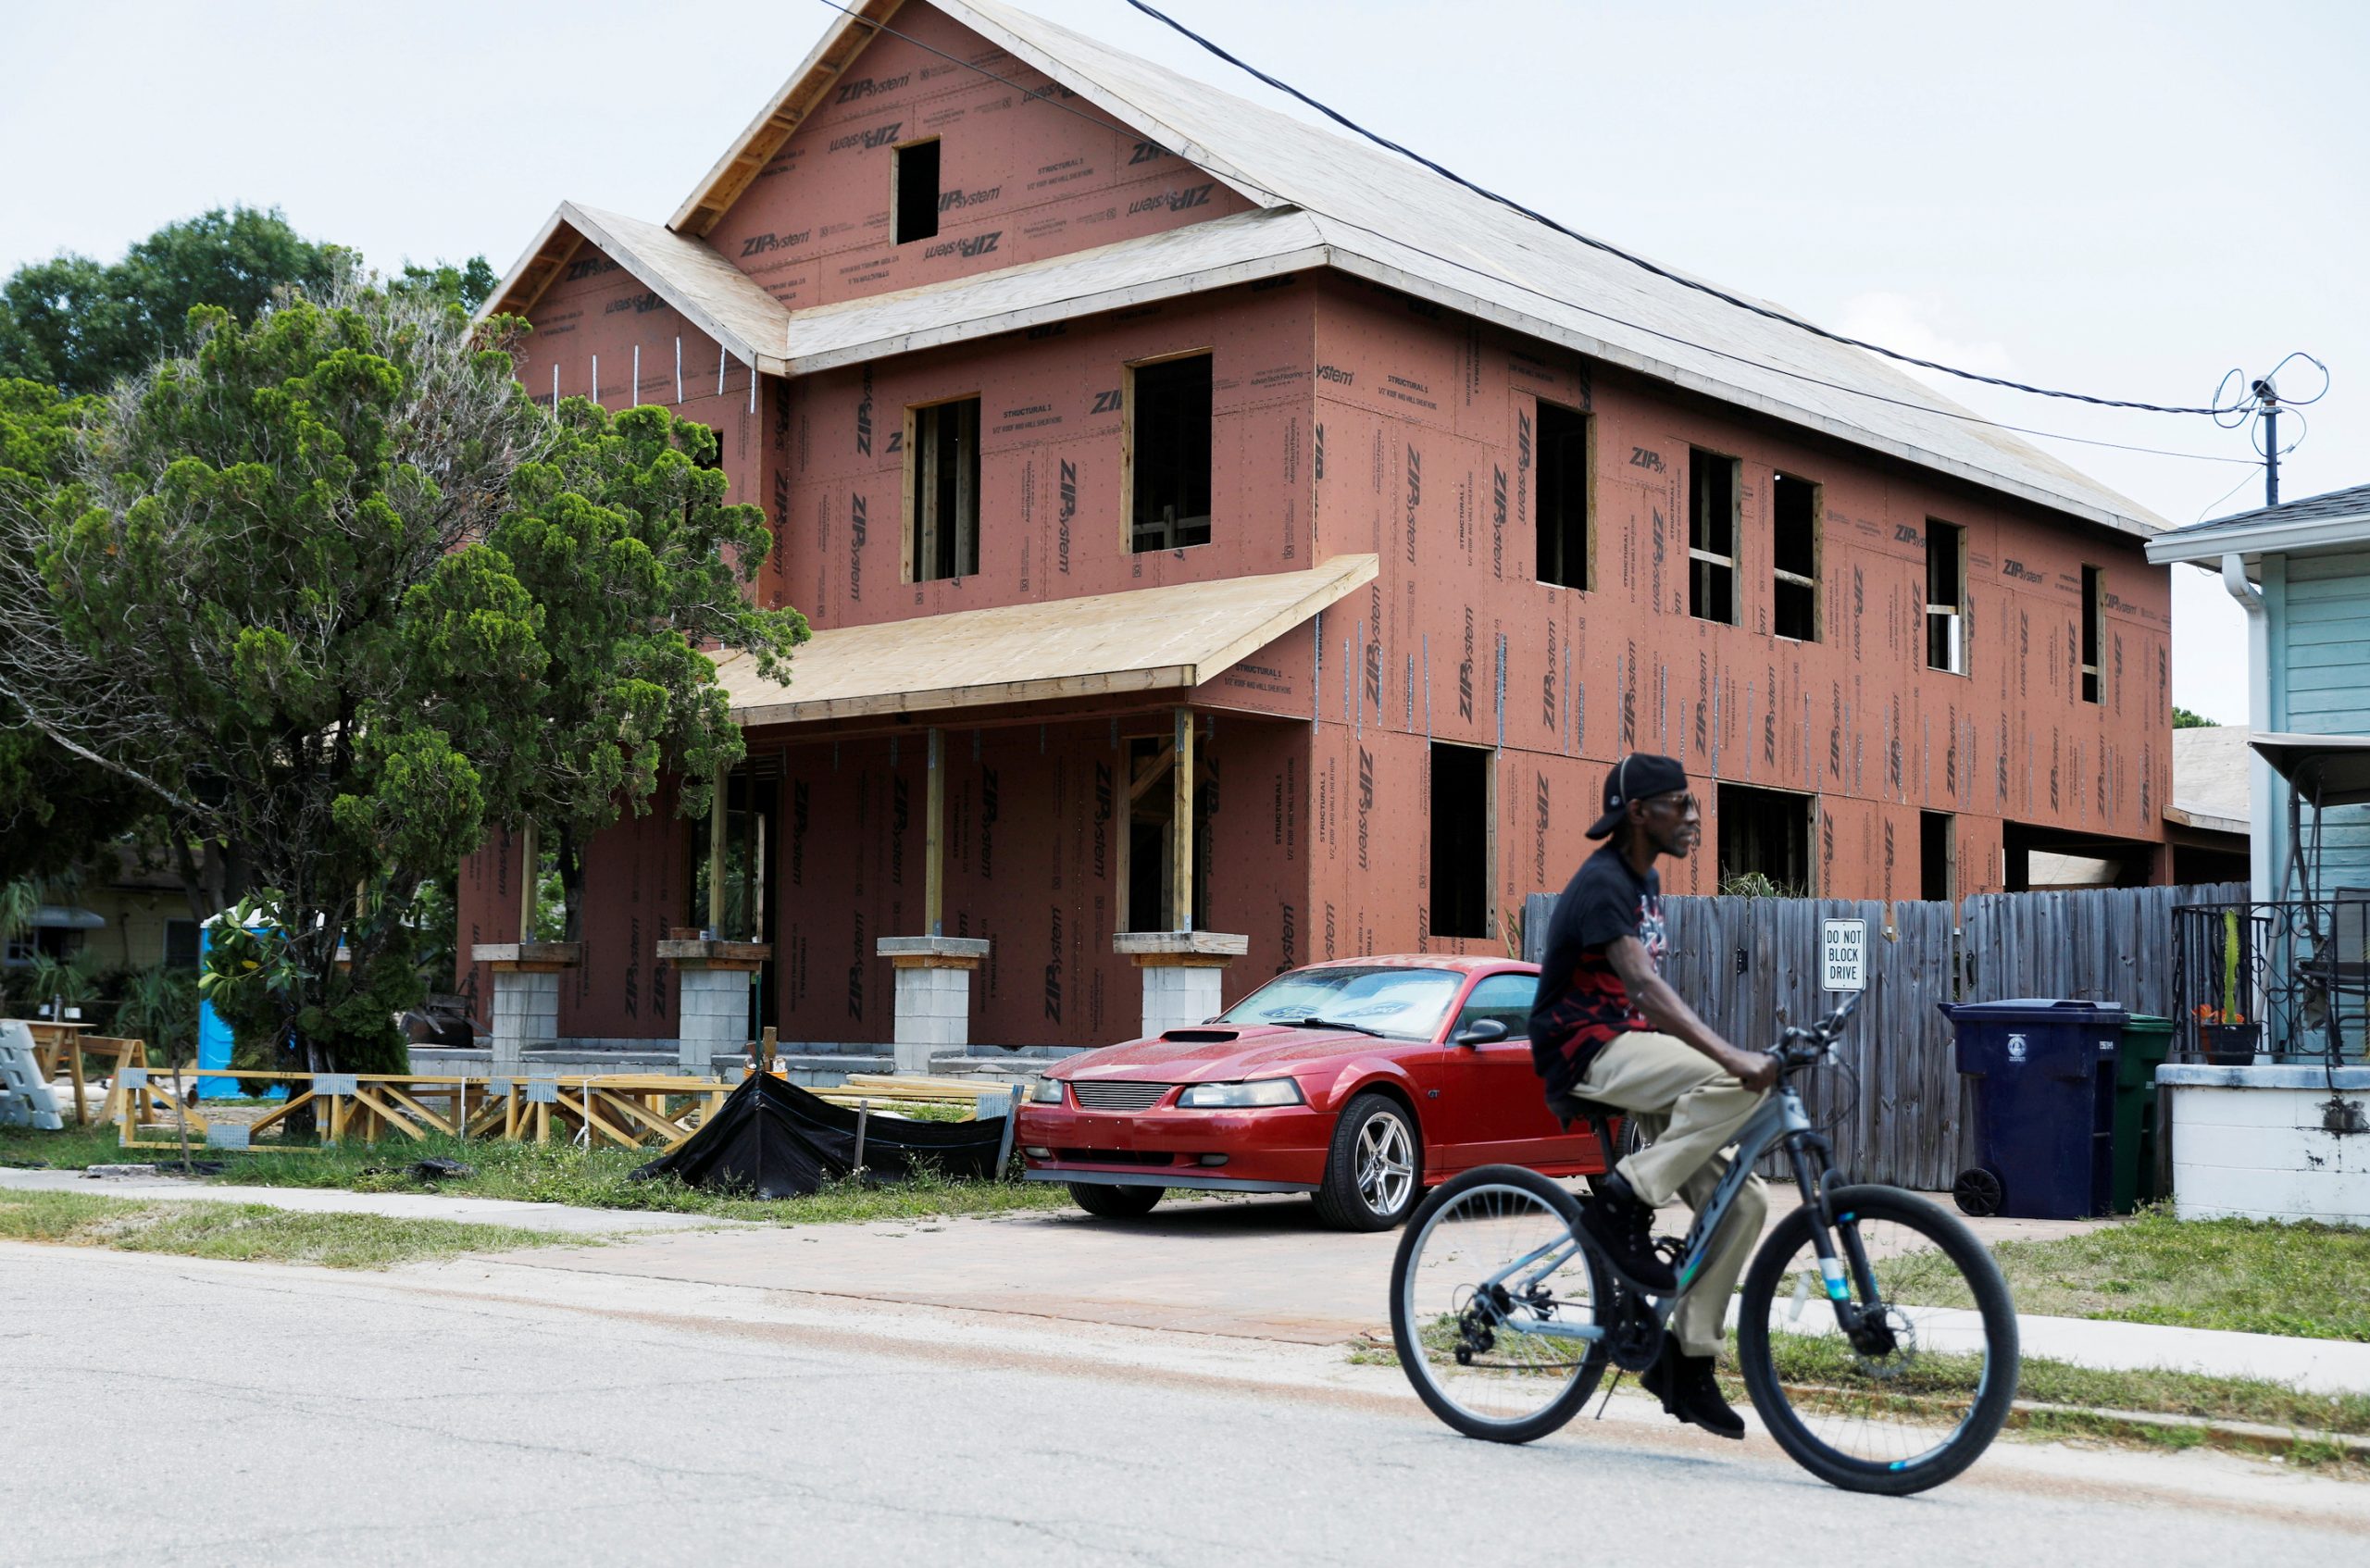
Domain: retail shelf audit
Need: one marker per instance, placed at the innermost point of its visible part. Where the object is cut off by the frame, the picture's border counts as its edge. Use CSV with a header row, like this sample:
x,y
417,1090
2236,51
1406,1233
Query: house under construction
x,y
1212,523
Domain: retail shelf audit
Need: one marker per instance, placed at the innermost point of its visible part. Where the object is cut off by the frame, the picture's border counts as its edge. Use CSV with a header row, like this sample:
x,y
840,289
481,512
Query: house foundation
x,y
934,999
1182,972
526,996
2277,1143
712,998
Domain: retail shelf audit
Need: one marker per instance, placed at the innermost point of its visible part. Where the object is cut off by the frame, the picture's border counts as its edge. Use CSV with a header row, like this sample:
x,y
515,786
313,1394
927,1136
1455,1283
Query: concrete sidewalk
x,y
1243,1268
557,1218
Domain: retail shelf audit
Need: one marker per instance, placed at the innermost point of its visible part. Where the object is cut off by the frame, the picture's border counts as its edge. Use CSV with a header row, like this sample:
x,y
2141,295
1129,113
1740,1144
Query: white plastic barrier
x,y
25,1098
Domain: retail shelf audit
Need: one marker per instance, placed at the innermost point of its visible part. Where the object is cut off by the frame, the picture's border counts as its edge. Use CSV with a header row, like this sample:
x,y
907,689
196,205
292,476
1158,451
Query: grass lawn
x,y
2311,1281
2305,1280
542,1174
250,1232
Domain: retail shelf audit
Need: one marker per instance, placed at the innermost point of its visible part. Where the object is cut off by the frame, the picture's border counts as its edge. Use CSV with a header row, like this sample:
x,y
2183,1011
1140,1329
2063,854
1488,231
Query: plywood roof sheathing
x,y
1147,639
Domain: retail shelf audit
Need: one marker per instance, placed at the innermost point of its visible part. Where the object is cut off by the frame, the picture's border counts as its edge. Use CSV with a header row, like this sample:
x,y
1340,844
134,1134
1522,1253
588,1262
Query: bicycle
x,y
1505,1316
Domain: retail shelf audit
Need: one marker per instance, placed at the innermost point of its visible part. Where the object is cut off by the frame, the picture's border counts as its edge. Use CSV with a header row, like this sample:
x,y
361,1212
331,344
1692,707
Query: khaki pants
x,y
1692,1110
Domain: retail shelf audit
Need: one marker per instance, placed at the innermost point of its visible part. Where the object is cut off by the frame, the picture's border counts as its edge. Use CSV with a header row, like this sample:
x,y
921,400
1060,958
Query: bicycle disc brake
x,y
1885,1345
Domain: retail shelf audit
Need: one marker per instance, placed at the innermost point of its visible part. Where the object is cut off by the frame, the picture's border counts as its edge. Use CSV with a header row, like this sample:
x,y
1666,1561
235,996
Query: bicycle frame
x,y
1781,1118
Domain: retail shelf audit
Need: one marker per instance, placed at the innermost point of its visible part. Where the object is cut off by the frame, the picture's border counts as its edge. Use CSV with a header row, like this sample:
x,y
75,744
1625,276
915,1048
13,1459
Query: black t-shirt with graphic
x,y
1583,1002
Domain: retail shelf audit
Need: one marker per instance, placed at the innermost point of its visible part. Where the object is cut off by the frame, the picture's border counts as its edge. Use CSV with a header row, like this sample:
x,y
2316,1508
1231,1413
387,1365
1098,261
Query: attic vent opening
x,y
914,184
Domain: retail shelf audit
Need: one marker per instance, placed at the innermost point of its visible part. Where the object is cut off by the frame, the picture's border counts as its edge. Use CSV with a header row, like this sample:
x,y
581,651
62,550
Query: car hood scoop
x,y
1201,1037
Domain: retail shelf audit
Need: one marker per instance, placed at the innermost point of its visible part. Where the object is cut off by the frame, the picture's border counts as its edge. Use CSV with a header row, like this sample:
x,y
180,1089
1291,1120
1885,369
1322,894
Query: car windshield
x,y
1388,1001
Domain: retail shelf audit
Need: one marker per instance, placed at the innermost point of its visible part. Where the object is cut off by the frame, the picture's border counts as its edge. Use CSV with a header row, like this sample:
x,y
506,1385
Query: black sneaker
x,y
1624,1228
1689,1391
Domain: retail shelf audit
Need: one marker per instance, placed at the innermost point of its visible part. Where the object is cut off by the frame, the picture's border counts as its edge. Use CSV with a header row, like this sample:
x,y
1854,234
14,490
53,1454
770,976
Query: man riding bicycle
x,y
1608,1028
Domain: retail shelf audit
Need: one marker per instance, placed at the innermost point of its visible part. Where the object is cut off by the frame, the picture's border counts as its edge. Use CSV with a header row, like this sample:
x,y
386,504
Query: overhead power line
x,y
1769,312
1961,414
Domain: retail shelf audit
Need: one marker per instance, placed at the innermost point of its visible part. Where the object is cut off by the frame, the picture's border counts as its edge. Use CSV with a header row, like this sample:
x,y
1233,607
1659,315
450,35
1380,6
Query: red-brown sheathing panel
x,y
1020,180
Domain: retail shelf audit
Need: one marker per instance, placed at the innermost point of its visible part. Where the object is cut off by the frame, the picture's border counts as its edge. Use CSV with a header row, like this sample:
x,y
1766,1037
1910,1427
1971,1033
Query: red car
x,y
1360,1081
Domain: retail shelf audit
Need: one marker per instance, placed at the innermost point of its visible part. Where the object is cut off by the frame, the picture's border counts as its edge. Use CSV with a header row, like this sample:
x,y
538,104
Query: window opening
x,y
1793,512
913,177
1562,519
1460,853
2093,598
1936,861
1168,453
1767,834
944,460
181,944
1711,536
1945,596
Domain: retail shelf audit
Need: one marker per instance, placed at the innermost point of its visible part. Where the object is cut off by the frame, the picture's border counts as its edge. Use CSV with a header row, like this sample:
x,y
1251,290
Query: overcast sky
x,y
2120,199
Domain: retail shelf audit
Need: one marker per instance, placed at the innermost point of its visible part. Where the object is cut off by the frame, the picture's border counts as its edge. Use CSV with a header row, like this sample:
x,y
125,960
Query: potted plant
x,y
2229,1040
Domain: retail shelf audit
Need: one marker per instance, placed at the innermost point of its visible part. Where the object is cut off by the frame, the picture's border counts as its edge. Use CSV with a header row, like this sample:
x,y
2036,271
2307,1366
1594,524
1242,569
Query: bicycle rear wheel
x,y
1463,1342
1910,1404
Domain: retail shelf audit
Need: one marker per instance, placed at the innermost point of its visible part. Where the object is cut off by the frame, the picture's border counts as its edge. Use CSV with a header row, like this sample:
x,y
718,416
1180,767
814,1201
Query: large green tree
x,y
56,808
335,596
69,328
82,325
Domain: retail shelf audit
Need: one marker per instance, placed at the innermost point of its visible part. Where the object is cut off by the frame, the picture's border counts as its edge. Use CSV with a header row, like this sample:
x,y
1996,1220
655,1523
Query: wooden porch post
x,y
716,859
1181,827
933,838
530,862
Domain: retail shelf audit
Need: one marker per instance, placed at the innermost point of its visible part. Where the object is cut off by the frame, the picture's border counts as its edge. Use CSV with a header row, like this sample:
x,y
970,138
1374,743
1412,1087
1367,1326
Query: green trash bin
x,y
2146,1041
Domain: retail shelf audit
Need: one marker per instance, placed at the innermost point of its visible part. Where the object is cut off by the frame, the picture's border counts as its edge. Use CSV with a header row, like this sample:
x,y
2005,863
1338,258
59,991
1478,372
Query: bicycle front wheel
x,y
1921,1390
1488,1270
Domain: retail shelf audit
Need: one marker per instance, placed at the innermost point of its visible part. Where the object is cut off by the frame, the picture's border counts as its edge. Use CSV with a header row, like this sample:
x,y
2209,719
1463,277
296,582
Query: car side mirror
x,y
1482,1031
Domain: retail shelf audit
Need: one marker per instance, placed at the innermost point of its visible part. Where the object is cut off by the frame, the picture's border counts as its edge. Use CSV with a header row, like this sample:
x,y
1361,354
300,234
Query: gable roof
x,y
1397,224
2335,519
689,274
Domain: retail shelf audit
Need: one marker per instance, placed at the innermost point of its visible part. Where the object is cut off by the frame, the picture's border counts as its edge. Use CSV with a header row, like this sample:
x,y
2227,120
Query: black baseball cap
x,y
1640,776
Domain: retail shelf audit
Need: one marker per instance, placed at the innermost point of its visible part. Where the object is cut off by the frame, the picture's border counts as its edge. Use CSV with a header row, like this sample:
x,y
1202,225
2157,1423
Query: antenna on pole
x,y
2263,405
2267,403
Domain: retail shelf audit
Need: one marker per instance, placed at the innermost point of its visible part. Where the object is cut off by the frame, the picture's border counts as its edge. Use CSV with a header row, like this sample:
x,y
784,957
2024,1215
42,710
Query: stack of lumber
x,y
887,1092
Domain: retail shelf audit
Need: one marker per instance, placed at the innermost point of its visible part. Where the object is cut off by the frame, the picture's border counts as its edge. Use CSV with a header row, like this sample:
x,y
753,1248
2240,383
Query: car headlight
x,y
1258,1091
1046,1091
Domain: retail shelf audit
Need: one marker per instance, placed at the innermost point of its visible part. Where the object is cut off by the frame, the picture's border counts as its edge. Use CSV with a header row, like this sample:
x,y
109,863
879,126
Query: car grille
x,y
1118,1095
1114,1157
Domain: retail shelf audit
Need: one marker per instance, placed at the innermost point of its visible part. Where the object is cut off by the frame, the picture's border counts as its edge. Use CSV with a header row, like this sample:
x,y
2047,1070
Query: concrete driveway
x,y
1259,1267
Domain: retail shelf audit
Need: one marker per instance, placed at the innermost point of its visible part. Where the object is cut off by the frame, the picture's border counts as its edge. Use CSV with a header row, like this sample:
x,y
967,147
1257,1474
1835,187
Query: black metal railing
x,y
2290,980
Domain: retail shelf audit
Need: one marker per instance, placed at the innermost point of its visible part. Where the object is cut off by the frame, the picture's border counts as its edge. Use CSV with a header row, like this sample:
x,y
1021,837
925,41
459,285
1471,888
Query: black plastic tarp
x,y
770,1138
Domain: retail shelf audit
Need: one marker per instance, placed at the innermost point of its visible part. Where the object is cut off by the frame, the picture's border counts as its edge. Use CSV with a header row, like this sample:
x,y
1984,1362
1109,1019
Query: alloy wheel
x,y
1386,1163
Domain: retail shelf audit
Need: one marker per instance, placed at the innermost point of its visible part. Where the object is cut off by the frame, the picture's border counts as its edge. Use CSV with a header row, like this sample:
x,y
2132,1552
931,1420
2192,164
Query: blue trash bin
x,y
2044,1105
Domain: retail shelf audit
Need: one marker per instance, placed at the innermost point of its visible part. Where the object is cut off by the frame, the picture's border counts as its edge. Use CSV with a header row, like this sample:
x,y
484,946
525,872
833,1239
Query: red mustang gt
x,y
1359,1081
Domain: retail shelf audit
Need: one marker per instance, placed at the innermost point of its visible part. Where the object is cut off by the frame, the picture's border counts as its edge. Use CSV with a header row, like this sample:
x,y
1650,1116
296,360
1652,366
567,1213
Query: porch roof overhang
x,y
1171,638
2333,769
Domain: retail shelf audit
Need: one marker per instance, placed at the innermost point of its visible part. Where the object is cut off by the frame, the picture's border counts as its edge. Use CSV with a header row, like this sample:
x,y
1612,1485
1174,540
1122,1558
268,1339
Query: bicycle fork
x,y
1841,1269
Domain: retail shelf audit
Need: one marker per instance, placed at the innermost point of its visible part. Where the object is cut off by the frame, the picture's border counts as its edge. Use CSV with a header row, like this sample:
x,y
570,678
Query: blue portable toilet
x,y
213,1034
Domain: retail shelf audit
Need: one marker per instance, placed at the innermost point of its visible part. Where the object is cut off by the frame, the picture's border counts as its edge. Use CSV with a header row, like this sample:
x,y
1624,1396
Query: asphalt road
x,y
168,1411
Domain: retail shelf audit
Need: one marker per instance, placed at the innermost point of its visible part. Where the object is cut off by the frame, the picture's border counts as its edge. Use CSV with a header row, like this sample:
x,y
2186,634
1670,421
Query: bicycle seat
x,y
1571,1108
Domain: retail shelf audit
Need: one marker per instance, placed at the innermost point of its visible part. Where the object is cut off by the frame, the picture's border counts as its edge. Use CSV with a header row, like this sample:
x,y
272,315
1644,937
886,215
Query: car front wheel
x,y
1106,1201
1373,1174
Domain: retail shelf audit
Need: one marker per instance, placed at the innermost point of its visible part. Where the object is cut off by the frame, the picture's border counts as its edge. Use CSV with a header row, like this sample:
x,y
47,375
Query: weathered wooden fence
x,y
1750,966
2115,945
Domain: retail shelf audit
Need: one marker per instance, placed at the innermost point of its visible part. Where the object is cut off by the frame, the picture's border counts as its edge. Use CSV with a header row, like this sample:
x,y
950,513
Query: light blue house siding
x,y
2318,610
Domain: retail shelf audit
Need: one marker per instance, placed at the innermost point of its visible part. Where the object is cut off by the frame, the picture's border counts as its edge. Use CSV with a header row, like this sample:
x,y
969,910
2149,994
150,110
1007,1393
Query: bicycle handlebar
x,y
1801,1047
